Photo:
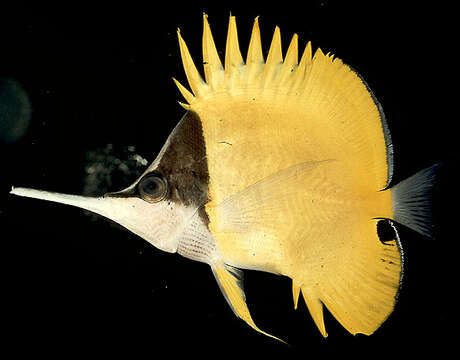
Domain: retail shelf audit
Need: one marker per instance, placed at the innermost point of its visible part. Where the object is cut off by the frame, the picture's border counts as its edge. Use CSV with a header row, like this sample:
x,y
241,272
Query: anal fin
x,y
230,281
315,306
352,273
295,293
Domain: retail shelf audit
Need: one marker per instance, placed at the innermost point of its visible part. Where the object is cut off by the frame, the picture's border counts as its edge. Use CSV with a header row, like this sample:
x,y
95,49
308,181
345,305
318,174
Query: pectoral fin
x,y
230,281
259,206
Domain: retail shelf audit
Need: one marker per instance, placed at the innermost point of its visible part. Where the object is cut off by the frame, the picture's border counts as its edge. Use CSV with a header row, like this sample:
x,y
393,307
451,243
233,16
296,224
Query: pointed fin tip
x,y
256,22
230,283
291,60
309,50
319,53
211,61
185,93
205,19
292,53
184,105
306,58
275,53
254,54
254,326
232,49
230,65
193,76
315,307
295,294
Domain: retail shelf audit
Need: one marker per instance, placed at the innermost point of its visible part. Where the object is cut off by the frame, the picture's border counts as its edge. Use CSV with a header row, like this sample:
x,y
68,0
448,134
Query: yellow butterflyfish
x,y
282,165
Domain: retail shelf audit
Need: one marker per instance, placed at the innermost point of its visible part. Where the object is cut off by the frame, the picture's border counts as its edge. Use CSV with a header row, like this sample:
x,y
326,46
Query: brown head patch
x,y
184,164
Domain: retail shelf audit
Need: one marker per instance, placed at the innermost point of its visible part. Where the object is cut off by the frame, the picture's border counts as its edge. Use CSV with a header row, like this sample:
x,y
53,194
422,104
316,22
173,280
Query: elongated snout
x,y
94,204
160,223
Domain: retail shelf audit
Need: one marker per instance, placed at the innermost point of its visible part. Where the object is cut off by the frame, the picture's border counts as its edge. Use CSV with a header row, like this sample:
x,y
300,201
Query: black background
x,y
100,74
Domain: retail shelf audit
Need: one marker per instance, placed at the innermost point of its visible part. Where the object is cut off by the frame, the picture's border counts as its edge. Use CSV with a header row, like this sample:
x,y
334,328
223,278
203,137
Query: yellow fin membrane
x,y
358,285
230,281
315,307
295,293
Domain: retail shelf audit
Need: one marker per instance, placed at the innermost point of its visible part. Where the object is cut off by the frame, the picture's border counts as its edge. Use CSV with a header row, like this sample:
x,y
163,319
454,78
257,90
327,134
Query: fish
x,y
281,165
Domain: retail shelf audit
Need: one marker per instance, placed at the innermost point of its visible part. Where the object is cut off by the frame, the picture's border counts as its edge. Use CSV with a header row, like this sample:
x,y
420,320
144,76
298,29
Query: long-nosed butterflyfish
x,y
281,165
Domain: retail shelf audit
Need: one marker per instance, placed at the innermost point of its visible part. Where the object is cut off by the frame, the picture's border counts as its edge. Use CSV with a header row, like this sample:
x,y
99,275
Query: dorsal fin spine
x,y
314,71
185,93
233,59
254,59
213,69
290,61
193,76
274,75
274,58
304,67
275,55
255,55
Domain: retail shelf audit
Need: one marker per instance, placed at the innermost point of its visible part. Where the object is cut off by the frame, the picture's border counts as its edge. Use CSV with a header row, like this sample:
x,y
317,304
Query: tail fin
x,y
412,201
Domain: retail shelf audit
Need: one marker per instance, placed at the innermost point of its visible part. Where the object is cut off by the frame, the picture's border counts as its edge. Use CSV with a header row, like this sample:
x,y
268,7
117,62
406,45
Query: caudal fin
x,y
412,201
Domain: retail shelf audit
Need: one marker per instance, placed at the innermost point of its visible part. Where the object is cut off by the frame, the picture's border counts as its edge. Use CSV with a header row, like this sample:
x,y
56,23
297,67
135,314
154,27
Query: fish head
x,y
161,204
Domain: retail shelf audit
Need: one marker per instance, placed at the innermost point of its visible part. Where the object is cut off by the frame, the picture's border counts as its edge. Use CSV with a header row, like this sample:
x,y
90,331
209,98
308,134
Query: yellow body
x,y
297,160
281,165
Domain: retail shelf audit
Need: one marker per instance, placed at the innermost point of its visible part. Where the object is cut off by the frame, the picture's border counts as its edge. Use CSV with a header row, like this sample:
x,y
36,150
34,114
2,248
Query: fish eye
x,y
152,188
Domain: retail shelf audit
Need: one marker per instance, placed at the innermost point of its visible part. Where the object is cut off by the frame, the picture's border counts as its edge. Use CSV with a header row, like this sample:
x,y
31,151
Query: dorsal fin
x,y
319,95
236,74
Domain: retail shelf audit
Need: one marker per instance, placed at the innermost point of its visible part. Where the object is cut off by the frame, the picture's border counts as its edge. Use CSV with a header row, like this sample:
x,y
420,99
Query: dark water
x,y
99,83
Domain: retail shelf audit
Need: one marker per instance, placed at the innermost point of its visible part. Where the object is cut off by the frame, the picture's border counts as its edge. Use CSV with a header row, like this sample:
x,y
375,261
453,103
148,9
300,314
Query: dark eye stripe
x,y
152,188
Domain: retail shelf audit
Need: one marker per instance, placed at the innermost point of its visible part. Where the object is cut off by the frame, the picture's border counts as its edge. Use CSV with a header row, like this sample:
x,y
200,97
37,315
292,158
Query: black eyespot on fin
x,y
385,231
